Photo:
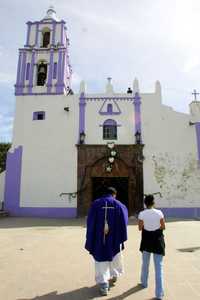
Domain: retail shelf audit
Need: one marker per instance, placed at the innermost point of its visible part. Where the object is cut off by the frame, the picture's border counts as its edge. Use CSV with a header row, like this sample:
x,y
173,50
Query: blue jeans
x,y
158,264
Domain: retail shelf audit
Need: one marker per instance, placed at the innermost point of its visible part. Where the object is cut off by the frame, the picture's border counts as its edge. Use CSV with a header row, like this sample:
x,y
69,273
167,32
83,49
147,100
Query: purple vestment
x,y
117,218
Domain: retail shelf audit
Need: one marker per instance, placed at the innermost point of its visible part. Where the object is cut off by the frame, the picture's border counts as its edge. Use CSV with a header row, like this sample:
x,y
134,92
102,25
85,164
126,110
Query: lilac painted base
x,y
44,212
12,193
181,212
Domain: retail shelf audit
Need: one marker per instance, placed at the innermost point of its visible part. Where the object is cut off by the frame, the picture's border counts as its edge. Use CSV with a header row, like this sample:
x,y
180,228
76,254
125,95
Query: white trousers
x,y
105,270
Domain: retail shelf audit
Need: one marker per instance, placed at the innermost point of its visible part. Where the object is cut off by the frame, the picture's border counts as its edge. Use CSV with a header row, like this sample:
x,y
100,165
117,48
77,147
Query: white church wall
x,y
94,121
195,111
2,183
171,165
49,159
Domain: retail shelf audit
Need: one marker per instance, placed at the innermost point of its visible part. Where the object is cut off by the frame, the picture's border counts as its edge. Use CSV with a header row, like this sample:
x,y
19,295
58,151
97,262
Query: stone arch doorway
x,y
126,175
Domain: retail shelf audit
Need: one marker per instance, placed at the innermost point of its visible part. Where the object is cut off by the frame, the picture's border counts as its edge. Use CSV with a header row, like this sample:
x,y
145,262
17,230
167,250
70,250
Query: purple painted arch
x,y
110,122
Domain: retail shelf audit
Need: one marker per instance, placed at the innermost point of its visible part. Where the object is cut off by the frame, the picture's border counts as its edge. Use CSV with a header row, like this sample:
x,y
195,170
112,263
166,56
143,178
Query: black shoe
x,y
113,281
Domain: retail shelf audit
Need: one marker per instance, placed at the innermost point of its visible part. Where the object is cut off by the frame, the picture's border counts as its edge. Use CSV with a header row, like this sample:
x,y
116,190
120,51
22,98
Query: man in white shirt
x,y
151,223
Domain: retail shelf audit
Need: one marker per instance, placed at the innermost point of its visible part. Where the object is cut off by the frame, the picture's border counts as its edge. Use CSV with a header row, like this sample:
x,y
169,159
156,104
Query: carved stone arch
x,y
126,175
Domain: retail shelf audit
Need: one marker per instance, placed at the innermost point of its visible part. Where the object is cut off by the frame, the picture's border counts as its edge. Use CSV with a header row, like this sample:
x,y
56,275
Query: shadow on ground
x,y
84,293
79,294
190,249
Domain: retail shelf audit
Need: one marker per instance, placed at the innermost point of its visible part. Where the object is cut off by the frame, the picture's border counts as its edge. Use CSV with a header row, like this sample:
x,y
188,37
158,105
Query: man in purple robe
x,y
106,232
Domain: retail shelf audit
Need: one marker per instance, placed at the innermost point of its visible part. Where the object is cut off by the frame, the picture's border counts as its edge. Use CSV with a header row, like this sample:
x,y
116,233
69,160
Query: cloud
x,y
191,64
7,78
6,126
123,39
76,79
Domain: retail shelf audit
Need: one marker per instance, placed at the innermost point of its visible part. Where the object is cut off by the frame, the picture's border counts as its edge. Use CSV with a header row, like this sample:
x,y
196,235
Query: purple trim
x,y
45,212
118,125
19,68
110,112
31,73
62,33
28,34
109,108
41,94
23,69
45,22
39,50
110,122
63,68
27,71
108,98
36,34
12,193
20,73
181,212
67,75
37,113
82,105
60,84
50,73
137,104
53,33
18,89
55,70
197,126
13,179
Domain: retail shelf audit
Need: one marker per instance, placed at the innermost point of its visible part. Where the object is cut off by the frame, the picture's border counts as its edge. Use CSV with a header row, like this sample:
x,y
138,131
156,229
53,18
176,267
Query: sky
x,y
148,39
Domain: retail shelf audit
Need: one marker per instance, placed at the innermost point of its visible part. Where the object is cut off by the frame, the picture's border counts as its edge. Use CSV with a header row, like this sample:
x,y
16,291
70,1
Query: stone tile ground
x,y
46,260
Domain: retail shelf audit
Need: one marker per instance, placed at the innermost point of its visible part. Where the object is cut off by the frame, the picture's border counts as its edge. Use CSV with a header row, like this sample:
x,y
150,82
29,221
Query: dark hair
x,y
149,200
110,191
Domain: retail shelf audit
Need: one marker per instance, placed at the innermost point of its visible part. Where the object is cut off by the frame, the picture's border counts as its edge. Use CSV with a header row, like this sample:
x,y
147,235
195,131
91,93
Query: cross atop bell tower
x,y
43,64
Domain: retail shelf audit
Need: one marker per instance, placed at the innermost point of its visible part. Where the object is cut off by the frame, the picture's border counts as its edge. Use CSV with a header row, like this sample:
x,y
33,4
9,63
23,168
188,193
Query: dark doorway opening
x,y
120,183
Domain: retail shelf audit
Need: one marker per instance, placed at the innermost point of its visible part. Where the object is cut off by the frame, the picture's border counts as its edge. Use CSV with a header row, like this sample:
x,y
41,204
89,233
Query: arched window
x,y
41,73
45,37
110,130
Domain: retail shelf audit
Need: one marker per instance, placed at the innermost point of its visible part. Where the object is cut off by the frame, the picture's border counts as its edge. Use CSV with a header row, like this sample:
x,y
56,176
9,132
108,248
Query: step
x,y
3,213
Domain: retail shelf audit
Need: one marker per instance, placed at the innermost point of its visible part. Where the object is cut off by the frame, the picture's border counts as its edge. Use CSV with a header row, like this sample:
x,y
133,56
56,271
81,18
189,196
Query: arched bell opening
x,y
45,42
41,73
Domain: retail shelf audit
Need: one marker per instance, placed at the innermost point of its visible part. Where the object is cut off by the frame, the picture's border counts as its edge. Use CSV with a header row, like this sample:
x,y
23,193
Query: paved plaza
x,y
44,259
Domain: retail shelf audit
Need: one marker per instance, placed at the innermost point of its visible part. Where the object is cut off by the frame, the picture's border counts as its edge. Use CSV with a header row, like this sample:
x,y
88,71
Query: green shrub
x,y
4,147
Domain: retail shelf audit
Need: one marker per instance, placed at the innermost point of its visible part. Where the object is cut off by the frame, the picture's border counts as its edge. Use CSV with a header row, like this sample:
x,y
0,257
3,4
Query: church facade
x,y
67,146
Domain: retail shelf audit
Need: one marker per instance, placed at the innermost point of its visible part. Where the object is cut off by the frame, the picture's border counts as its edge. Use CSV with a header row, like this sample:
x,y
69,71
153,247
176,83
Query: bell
x,y
42,69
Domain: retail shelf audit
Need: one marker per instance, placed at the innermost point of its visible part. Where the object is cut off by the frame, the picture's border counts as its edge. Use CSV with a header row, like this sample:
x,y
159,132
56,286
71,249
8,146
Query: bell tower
x,y
43,63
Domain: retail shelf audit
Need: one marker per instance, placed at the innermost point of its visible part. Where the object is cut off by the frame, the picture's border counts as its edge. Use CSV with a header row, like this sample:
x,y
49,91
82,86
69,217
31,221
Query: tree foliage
x,y
4,147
